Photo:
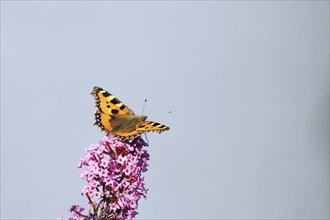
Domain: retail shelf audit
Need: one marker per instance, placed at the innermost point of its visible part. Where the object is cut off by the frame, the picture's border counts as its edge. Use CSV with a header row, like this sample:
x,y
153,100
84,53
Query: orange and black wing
x,y
107,107
142,127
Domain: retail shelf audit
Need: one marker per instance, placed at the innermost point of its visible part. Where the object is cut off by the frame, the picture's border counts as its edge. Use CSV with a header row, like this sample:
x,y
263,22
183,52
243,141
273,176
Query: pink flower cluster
x,y
112,170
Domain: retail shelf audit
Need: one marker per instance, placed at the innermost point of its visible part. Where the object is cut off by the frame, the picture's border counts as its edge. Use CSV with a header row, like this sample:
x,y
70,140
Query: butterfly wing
x,y
147,126
107,107
103,122
109,104
141,128
124,135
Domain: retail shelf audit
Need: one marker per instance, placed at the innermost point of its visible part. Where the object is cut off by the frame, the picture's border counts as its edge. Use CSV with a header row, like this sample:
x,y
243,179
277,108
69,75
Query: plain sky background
x,y
247,82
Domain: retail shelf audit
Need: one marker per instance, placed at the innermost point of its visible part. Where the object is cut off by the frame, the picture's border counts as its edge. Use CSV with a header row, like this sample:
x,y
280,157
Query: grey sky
x,y
247,82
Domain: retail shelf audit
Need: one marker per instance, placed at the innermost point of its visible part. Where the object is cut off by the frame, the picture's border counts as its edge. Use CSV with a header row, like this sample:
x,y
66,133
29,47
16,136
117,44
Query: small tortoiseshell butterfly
x,y
116,119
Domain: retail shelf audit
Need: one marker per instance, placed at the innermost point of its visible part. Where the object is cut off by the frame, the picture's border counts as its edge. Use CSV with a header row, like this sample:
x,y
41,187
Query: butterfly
x,y
116,119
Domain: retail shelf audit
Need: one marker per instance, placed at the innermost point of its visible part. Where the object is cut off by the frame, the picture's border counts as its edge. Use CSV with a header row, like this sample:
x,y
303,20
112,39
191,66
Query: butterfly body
x,y
116,119
126,123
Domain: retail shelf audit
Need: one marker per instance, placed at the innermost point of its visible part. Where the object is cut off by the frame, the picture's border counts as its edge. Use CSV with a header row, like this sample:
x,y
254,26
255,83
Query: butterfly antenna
x,y
144,105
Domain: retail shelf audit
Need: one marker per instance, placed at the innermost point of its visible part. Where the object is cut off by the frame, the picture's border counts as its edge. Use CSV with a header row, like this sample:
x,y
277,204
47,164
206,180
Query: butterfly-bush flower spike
x,y
112,170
